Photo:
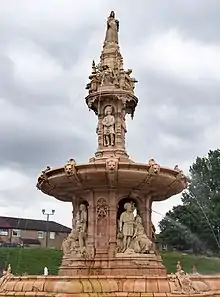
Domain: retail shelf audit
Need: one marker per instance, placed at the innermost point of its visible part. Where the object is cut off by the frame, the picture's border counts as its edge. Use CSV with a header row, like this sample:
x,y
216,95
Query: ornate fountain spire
x,y
111,95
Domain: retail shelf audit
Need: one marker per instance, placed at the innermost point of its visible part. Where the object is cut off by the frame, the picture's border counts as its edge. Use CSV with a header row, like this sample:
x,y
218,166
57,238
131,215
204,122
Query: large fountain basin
x,y
128,176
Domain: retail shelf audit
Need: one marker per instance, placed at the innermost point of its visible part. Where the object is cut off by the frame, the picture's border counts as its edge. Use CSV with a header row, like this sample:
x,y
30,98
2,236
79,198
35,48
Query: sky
x,y
46,51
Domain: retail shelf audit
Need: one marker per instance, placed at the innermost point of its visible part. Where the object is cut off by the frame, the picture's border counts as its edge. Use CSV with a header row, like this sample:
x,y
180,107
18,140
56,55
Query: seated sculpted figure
x,y
70,245
141,243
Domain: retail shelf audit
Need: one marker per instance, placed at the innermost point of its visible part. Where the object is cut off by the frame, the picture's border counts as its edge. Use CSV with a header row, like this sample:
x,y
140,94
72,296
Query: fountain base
x,y
85,286
121,264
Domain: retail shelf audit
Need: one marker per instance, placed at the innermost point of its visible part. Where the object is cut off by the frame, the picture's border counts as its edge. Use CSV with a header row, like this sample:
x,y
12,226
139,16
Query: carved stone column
x,y
147,220
91,223
112,222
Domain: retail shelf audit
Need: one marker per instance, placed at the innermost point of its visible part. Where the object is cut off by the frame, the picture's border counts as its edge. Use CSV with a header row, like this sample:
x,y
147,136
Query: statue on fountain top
x,y
112,29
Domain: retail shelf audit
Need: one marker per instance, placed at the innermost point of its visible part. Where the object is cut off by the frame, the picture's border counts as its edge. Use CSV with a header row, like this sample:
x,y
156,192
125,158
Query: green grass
x,y
33,261
203,265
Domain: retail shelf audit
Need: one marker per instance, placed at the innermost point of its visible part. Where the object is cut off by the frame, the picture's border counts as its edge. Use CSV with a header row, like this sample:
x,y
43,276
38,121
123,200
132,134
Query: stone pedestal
x,y
121,264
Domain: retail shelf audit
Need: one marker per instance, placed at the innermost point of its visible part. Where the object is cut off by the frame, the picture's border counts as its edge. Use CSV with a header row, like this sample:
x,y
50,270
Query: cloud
x,y
180,58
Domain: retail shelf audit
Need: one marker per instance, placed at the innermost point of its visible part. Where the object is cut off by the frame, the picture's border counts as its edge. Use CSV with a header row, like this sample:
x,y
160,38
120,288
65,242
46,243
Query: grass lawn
x,y
33,261
204,265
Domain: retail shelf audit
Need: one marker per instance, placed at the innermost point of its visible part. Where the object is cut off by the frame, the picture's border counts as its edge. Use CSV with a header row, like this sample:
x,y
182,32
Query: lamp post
x,y
218,232
48,214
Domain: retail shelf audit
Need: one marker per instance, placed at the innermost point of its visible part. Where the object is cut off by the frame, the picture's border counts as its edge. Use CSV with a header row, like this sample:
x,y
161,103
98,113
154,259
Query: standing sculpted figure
x,y
81,225
112,29
126,225
109,127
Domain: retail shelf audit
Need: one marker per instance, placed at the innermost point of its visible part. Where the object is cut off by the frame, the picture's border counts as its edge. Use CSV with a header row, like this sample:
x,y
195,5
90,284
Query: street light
x,y
48,214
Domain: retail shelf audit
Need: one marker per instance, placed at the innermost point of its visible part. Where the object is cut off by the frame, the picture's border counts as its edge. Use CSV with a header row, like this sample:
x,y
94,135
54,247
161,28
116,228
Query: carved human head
x,y
138,219
108,110
128,206
112,14
74,234
82,207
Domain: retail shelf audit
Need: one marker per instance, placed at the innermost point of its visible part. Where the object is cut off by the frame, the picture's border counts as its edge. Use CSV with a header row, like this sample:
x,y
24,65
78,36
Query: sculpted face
x,y
108,110
111,165
112,14
128,207
68,168
156,168
82,207
138,220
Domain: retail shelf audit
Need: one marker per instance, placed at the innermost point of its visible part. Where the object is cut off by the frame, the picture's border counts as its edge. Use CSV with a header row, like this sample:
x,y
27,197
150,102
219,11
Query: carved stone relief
x,y
6,275
110,72
102,208
154,168
112,170
102,223
131,236
180,282
43,177
75,243
71,171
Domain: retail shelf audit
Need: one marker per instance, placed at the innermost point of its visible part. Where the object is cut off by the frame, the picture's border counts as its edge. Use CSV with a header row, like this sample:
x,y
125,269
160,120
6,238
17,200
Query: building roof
x,y
29,224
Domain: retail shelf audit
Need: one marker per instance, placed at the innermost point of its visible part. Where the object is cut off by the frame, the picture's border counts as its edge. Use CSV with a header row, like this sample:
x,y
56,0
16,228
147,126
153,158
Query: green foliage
x,y
196,223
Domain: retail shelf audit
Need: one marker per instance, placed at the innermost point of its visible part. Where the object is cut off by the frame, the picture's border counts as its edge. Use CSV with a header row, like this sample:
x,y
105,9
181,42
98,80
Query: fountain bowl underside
x,y
127,176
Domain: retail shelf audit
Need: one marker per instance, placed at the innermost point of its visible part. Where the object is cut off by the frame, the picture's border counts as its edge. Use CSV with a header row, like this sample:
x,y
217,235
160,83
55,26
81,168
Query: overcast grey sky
x,y
46,50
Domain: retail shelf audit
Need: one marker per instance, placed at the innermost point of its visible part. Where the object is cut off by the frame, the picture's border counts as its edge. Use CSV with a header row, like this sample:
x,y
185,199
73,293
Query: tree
x,y
196,223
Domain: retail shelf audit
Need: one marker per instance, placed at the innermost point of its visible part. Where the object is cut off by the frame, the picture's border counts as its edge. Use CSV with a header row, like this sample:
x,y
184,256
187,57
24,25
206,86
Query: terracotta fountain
x,y
111,249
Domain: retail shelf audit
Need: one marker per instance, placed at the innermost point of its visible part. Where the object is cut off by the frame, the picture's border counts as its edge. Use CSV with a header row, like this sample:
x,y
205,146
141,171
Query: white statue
x,y
45,270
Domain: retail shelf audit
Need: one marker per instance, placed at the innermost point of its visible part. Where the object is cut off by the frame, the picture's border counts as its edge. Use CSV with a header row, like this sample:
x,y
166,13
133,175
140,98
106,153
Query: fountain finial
x,y
112,29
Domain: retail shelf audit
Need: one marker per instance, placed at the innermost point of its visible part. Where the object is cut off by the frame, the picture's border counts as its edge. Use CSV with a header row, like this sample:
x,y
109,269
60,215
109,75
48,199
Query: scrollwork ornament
x,y
43,177
102,208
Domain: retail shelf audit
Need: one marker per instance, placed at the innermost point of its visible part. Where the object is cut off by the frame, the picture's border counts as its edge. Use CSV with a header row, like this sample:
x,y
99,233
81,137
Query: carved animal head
x,y
68,169
111,165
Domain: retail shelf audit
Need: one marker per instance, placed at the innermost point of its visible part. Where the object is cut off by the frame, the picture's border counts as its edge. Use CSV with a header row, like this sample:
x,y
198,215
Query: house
x,y
28,232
